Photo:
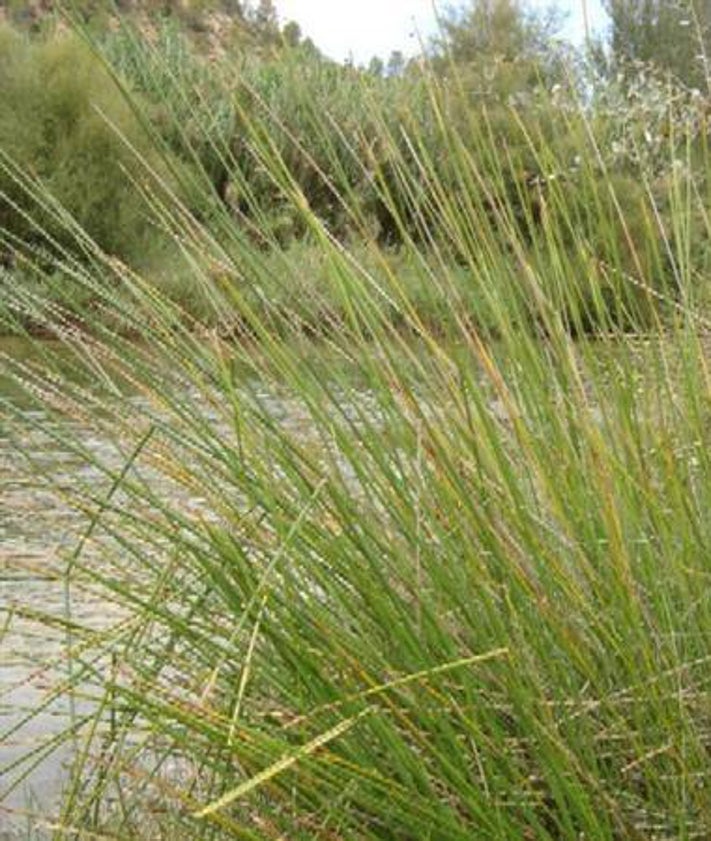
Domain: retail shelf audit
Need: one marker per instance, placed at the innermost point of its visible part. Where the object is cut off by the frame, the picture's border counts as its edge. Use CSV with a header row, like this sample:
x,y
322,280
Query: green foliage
x,y
477,153
66,126
322,151
394,553
501,49
184,100
674,36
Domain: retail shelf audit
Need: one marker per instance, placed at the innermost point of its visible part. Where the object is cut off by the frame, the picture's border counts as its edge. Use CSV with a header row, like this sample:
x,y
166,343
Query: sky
x,y
347,28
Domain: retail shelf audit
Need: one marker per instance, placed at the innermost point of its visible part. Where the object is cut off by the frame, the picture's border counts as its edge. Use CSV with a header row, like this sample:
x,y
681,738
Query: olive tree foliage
x,y
499,60
673,35
509,27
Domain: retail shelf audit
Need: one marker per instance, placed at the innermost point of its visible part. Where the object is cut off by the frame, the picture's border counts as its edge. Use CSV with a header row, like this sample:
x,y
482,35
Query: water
x,y
36,529
39,531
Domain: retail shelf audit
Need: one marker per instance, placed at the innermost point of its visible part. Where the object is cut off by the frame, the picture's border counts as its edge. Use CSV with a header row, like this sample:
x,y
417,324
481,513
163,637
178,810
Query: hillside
x,y
213,25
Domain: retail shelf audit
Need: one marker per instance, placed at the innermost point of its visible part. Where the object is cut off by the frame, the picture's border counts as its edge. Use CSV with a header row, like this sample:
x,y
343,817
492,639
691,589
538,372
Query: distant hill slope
x,y
192,12
211,24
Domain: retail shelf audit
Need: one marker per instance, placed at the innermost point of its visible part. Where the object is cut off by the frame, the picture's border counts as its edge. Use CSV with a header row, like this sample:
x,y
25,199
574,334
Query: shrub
x,y
65,123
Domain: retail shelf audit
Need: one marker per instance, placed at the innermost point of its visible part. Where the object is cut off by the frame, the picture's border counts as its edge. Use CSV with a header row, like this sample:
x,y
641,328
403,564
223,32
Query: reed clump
x,y
384,575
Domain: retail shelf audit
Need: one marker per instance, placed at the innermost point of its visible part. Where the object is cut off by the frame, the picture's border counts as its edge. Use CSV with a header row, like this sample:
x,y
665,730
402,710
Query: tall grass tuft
x,y
405,553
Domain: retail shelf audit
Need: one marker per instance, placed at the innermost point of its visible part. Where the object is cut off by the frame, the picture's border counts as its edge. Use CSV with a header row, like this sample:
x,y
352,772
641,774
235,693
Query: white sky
x,y
363,28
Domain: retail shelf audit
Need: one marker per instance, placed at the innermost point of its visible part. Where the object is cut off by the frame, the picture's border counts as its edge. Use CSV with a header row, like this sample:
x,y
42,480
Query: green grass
x,y
396,580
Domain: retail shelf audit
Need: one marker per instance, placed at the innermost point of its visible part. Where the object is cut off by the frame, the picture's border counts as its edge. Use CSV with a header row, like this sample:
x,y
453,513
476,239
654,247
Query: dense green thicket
x,y
65,125
499,142
673,36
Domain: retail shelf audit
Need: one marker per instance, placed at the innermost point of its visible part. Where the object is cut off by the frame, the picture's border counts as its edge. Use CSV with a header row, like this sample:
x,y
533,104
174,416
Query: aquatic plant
x,y
377,579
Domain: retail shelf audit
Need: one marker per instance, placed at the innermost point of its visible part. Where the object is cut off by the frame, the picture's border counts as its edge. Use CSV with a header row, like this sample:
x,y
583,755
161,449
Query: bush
x,y
65,123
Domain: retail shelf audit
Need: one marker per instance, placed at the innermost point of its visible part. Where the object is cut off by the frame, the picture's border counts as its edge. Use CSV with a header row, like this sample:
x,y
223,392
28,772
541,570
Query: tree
x,y
265,14
291,33
674,35
376,66
501,46
507,27
396,63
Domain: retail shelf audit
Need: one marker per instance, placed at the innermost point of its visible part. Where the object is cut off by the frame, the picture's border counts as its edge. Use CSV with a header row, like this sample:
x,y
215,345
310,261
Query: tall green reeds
x,y
400,558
